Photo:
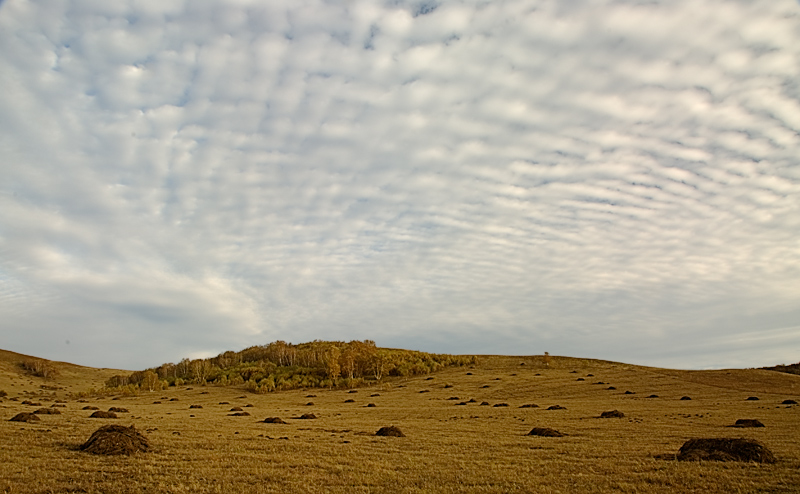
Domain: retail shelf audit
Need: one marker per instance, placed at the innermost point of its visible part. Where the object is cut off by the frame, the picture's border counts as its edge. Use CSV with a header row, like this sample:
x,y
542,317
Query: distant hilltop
x,y
789,369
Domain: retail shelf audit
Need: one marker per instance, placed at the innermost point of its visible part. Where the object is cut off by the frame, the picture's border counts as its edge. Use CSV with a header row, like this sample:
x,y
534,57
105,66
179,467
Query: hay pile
x,y
116,440
556,407
118,410
390,431
308,416
748,423
24,417
273,420
545,432
103,415
725,449
613,414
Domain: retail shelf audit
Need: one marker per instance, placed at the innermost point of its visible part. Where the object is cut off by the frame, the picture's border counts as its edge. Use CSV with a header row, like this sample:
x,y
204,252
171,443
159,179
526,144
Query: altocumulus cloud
x,y
615,179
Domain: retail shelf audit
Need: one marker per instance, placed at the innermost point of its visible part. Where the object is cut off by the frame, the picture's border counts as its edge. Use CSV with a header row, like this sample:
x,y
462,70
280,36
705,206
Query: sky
x,y
611,179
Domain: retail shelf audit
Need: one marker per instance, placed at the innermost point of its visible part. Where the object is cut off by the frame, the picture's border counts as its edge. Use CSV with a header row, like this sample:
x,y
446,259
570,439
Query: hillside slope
x,y
68,378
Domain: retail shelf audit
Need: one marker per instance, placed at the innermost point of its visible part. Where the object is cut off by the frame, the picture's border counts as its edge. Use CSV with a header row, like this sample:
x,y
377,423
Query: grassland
x,y
449,447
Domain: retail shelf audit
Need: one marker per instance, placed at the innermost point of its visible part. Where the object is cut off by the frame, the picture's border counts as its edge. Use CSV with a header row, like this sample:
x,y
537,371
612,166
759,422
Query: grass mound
x,y
613,414
103,415
748,423
545,432
24,417
308,416
47,411
116,440
390,431
118,410
788,402
274,420
725,449
239,414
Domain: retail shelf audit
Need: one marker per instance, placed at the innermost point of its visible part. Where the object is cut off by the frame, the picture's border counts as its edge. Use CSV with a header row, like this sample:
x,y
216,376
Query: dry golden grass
x,y
448,447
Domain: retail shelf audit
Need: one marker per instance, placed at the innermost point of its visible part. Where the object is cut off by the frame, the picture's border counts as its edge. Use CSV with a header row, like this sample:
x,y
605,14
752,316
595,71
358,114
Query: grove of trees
x,y
280,365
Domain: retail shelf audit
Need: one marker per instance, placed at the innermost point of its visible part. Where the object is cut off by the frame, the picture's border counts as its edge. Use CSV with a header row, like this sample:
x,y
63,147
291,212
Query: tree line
x,y
280,366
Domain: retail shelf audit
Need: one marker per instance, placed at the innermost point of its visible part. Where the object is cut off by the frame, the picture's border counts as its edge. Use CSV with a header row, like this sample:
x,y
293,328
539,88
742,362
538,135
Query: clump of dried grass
x,y
390,431
24,417
116,440
545,432
725,449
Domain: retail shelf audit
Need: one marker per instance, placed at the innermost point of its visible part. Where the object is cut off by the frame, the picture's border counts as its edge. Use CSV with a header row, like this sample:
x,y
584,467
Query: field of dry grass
x,y
449,446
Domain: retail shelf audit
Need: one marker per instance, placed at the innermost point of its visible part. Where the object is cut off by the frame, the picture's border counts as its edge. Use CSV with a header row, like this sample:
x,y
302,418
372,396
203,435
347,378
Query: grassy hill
x,y
16,380
466,431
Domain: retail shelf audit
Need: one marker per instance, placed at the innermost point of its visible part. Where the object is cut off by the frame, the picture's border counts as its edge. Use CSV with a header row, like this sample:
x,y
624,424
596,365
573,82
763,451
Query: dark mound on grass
x,y
500,405
545,432
239,414
47,411
374,395
530,405
273,420
556,407
371,405
788,402
103,415
752,398
484,403
390,431
613,414
118,410
685,398
310,404
349,401
89,407
116,440
725,449
24,417
748,423
307,416
195,406
236,409
653,396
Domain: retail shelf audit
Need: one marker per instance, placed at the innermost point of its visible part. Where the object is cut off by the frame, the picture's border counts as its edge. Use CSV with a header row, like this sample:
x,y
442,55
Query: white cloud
x,y
598,178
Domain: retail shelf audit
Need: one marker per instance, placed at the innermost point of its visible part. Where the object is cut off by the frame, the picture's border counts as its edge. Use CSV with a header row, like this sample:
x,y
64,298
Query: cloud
x,y
598,179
